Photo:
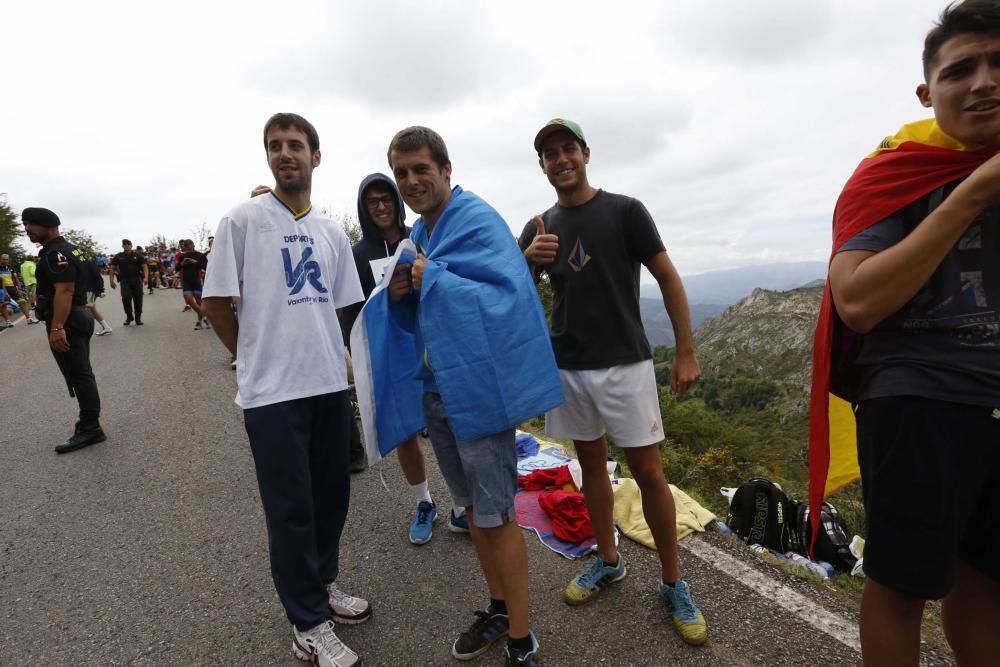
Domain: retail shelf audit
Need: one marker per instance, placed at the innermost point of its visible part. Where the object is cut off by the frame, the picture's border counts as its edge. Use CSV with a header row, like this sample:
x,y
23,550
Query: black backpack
x,y
833,542
761,513
95,281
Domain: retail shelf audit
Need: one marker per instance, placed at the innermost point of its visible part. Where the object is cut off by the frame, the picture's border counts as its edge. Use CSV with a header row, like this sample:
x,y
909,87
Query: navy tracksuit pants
x,y
301,449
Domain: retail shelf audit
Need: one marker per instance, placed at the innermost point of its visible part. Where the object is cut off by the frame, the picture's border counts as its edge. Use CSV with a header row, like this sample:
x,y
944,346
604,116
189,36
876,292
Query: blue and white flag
x,y
479,326
384,358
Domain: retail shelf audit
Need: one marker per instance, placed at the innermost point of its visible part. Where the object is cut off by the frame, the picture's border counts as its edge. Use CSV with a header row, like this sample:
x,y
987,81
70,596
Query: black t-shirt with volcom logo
x,y
129,266
603,244
60,262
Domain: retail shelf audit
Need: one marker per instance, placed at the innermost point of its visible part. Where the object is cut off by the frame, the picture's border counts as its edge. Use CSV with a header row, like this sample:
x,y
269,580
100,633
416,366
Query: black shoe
x,y
358,459
127,322
515,657
138,322
486,629
358,463
82,439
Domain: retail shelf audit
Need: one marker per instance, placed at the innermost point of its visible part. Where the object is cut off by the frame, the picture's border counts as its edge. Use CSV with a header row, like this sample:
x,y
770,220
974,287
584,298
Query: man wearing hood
x,y
381,215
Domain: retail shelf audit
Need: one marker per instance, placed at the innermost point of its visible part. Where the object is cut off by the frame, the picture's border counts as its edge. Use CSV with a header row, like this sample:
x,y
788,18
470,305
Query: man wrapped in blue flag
x,y
457,326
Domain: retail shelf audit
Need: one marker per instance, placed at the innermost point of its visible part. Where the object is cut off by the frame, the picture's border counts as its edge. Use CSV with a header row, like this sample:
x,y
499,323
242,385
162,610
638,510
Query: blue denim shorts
x,y
481,474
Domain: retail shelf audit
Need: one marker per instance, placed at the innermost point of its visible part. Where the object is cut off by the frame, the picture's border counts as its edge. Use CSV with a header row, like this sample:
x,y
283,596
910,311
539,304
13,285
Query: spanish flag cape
x,y
906,166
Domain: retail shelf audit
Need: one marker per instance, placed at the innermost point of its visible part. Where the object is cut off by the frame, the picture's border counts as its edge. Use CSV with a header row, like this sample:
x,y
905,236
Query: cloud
x,y
732,123
71,202
425,55
629,126
753,33
79,205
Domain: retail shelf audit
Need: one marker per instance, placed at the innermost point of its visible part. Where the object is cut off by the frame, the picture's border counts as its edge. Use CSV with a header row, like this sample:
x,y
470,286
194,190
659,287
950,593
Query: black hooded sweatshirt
x,y
371,246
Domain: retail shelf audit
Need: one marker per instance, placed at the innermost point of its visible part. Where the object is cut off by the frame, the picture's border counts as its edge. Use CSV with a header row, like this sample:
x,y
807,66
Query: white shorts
x,y
621,401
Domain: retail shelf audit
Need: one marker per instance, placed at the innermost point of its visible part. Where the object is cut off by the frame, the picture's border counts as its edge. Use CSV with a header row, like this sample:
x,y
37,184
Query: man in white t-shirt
x,y
292,379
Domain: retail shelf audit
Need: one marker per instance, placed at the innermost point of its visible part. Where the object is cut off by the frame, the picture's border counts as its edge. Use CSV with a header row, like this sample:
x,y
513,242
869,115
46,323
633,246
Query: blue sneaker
x,y
688,621
458,524
422,528
593,579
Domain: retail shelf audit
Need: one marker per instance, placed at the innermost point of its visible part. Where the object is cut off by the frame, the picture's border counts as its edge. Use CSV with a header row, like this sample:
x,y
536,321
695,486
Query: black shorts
x,y
930,472
192,286
12,292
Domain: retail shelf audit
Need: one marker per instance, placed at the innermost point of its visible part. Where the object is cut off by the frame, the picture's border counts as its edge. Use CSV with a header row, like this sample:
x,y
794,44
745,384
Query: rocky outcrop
x,y
768,335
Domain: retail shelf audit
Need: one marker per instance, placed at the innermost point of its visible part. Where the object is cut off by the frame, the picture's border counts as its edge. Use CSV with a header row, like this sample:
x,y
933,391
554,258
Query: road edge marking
x,y
841,629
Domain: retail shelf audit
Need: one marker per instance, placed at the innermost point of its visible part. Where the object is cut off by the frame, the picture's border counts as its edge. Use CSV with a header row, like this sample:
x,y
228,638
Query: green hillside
x,y
748,415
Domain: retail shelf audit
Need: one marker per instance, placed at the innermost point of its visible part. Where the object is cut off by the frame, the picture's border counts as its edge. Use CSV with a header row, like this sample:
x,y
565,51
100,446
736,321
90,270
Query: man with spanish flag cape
x,y
909,337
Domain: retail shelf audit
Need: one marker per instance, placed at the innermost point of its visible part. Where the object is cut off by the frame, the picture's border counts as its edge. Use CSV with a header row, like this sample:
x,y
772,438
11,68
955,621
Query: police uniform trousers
x,y
75,366
132,294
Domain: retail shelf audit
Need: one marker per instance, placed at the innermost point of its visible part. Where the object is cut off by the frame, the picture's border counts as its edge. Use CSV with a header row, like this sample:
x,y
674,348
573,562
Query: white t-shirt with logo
x,y
288,275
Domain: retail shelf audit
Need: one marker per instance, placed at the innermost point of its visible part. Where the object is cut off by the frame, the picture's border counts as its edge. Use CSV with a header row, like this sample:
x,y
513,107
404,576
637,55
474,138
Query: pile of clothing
x,y
562,501
550,502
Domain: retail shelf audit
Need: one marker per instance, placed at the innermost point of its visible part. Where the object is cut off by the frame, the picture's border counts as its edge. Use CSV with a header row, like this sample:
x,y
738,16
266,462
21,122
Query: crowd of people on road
x,y
445,320
18,290
38,290
136,270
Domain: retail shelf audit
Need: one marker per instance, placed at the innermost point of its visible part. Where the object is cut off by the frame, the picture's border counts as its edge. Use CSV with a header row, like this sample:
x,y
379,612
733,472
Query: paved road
x,y
149,549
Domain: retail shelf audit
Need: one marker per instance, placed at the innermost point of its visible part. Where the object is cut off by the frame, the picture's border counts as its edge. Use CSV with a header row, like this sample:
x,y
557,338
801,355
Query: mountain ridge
x,y
727,286
710,294
768,334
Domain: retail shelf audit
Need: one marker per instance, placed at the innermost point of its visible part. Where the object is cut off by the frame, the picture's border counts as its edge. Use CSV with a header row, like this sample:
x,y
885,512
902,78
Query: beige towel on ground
x,y
691,516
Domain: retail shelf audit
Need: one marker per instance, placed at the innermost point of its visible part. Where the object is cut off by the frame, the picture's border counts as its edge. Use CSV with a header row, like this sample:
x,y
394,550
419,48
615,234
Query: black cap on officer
x,y
42,217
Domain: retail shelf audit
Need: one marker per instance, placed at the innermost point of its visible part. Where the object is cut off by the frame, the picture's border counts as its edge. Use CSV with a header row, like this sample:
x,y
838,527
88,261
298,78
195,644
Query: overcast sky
x,y
735,123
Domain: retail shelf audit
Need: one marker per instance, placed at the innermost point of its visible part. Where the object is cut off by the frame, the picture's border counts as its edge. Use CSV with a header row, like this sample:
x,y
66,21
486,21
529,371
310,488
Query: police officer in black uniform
x,y
130,267
61,289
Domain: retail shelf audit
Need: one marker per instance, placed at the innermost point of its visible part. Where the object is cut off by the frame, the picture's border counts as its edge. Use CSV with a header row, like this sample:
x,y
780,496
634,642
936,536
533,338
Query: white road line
x,y
844,631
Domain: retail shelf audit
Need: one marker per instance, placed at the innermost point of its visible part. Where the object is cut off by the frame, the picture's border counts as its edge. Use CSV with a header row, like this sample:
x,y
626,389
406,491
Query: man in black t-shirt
x,y
592,244
61,287
920,287
191,265
132,272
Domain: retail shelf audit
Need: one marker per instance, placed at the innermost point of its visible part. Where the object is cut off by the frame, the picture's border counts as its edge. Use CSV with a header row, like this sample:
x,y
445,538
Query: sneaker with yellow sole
x,y
688,621
593,580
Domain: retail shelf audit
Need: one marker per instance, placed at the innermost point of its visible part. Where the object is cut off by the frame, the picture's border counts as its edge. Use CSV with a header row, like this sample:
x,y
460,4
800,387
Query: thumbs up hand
x,y
543,248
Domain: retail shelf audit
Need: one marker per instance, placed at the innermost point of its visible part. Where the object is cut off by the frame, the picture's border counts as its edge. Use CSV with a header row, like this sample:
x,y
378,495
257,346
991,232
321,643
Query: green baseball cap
x,y
558,125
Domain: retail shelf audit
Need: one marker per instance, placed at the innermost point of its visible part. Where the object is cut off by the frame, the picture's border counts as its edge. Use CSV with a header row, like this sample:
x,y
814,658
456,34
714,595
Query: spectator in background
x,y
191,266
153,269
29,283
10,283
